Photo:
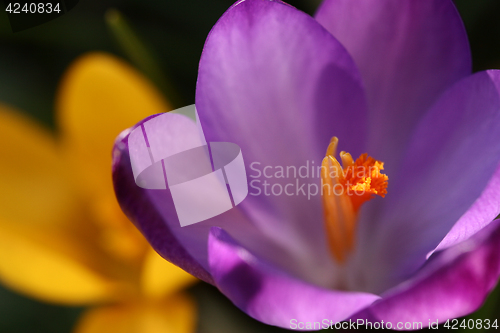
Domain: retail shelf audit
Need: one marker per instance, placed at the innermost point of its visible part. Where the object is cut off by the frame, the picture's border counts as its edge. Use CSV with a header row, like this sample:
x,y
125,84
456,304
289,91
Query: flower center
x,y
344,189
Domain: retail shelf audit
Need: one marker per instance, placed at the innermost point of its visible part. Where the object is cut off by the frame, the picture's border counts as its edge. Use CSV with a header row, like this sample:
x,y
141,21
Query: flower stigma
x,y
344,189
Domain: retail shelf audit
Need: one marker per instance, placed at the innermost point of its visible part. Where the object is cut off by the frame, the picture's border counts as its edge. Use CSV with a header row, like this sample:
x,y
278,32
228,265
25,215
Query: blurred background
x,y
170,35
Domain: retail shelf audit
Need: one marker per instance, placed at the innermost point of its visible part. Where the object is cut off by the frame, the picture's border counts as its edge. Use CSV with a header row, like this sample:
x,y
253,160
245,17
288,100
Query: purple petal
x,y
453,284
275,82
271,296
408,53
154,213
482,212
156,222
452,156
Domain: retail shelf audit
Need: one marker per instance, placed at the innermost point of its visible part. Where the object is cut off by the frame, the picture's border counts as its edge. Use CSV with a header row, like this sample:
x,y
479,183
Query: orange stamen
x,y
344,190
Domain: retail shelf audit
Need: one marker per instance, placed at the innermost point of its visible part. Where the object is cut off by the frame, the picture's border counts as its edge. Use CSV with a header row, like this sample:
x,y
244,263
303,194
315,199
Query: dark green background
x,y
32,62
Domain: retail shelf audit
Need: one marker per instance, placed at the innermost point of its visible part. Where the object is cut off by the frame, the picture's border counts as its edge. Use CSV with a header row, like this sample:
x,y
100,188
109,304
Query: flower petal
x,y
271,296
452,156
33,172
275,82
482,212
159,277
153,211
408,53
453,284
174,314
99,96
38,270
42,253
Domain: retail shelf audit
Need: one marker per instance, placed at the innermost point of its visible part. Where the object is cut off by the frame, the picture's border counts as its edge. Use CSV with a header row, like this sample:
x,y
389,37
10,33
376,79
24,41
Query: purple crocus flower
x,y
391,78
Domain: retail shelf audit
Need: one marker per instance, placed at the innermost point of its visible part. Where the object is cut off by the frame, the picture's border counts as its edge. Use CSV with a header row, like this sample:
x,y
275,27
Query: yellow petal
x,y
99,97
42,252
39,271
176,314
159,277
118,236
33,182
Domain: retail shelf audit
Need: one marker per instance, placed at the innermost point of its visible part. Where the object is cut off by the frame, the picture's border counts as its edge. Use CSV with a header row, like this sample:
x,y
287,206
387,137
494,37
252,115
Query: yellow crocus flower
x,y
63,237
